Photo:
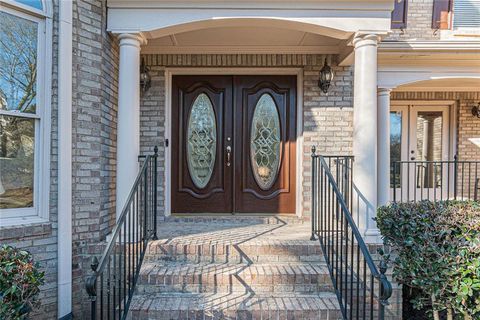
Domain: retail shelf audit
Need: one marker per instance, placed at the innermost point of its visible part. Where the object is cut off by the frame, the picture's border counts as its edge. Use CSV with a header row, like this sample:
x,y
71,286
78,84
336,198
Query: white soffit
x,y
430,53
445,84
429,78
243,40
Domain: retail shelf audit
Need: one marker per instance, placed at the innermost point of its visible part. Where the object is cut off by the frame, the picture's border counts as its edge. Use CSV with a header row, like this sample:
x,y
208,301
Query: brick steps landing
x,y
234,268
235,306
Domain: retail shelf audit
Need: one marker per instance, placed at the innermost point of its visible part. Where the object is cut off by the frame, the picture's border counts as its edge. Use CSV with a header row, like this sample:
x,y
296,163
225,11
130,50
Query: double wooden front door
x,y
233,144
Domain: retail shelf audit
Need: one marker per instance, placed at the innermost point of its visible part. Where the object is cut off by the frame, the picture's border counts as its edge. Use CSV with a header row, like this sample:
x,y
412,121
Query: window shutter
x,y
399,14
466,14
441,11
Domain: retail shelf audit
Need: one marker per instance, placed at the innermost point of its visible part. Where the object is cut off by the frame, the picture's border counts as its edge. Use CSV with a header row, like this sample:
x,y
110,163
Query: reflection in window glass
x,y
429,148
32,3
17,146
18,63
395,148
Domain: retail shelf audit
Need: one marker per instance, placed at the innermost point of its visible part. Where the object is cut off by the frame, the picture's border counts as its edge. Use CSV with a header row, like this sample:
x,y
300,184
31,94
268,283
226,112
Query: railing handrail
x,y
361,243
103,260
435,161
339,236
434,180
138,221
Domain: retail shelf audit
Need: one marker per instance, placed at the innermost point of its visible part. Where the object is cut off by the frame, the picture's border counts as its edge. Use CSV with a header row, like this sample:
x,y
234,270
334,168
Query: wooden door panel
x,y
212,192
273,190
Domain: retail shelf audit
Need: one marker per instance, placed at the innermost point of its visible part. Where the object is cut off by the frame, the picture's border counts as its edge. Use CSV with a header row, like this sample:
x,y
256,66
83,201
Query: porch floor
x,y
233,229
234,267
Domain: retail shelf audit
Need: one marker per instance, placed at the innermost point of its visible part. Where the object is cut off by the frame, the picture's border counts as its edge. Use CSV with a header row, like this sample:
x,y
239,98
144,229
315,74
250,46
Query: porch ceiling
x,y
430,53
247,39
446,84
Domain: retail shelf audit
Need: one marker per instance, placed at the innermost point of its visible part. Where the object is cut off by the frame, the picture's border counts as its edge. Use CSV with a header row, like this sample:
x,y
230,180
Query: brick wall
x,y
328,120
95,76
419,23
41,239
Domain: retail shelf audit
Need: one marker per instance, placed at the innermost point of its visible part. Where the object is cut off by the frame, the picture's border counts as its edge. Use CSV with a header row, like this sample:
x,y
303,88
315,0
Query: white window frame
x,y
39,213
462,29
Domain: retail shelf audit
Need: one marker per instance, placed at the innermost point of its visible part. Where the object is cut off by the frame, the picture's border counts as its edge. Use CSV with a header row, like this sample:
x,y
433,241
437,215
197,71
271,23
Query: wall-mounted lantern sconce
x,y
476,110
326,77
145,78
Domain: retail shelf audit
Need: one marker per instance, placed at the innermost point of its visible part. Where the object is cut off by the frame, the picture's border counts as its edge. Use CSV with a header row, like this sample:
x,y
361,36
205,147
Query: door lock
x,y
229,154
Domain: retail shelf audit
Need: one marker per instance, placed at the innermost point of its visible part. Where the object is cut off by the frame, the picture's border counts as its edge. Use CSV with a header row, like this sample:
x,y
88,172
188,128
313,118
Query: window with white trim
x,y
466,14
25,91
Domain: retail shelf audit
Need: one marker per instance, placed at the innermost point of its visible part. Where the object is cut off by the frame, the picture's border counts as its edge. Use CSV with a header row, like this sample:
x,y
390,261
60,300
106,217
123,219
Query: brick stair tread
x,y
182,269
232,242
234,301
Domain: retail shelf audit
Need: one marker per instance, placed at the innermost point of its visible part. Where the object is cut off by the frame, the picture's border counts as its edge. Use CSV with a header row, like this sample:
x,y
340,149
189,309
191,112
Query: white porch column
x,y
128,125
383,140
365,131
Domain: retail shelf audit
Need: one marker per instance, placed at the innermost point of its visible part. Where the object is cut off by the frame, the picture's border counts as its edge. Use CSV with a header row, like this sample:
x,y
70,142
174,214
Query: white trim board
x,y
64,287
169,72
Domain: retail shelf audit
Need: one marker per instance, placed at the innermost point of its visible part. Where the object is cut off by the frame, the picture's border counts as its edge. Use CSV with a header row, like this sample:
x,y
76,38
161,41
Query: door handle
x,y
229,154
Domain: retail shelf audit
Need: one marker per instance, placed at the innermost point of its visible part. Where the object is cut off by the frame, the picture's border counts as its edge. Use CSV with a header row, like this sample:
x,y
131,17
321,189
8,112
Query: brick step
x,y
322,306
248,252
257,278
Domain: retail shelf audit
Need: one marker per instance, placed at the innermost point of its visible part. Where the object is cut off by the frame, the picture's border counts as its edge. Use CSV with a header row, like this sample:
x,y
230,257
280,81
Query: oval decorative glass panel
x,y
265,142
201,141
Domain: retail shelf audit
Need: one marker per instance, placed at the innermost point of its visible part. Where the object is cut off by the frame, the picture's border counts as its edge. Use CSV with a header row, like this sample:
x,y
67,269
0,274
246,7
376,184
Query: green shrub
x,y
437,249
20,279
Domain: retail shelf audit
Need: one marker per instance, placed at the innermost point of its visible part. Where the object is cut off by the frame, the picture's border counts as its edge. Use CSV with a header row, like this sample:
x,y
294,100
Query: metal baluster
x,y
358,281
101,298
313,206
130,255
108,288
477,181
335,214
145,208
372,293
346,258
119,275
455,176
337,244
330,223
114,281
351,277
364,288
322,200
155,192
125,265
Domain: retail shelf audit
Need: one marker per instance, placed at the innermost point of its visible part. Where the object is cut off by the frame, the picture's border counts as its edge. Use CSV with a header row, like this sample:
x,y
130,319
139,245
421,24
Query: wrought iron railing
x,y
112,284
434,180
362,290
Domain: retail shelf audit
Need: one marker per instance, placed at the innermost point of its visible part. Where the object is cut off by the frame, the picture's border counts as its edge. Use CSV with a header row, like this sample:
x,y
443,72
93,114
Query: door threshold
x,y
227,214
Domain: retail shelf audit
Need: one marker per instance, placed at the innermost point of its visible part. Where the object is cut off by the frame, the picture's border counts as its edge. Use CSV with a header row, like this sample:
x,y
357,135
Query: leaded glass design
x,y
265,142
201,141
